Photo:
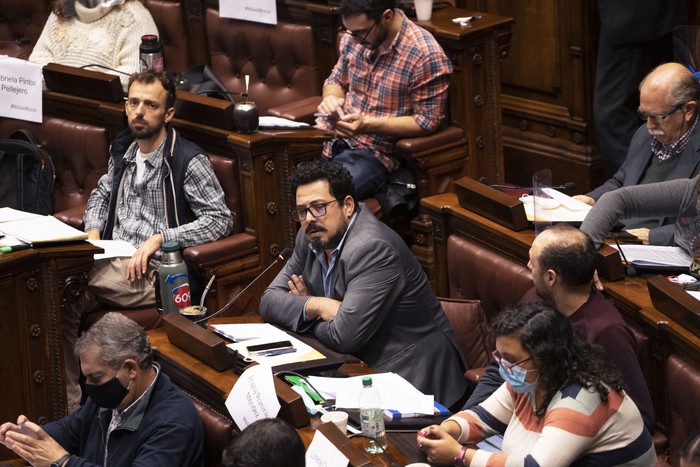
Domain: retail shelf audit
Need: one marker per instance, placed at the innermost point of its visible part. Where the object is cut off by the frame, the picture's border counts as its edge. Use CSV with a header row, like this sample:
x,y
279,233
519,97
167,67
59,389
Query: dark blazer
x,y
632,170
389,316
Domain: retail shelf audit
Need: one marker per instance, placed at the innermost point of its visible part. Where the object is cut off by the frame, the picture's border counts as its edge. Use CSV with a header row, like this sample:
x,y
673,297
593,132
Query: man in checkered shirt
x,y
390,83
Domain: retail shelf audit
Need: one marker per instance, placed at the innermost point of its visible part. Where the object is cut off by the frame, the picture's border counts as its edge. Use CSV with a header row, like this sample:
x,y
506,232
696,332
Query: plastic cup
x,y
339,419
424,9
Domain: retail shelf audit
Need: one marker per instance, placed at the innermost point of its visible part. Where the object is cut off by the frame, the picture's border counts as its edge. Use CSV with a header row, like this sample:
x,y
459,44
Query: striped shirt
x,y
577,429
410,77
141,206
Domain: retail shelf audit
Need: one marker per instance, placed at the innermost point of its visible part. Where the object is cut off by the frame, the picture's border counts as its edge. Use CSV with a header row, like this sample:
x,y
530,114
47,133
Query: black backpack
x,y
26,174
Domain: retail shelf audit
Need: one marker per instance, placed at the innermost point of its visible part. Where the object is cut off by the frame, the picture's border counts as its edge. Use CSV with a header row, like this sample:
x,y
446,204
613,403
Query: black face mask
x,y
107,395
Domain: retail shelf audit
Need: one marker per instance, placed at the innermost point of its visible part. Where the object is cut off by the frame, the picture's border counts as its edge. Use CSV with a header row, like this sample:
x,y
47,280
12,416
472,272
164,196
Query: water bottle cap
x,y
367,381
149,39
170,246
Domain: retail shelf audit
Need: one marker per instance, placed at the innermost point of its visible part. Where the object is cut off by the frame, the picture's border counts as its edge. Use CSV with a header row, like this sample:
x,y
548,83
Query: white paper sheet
x,y
247,331
303,353
323,453
114,249
253,397
20,89
650,255
277,122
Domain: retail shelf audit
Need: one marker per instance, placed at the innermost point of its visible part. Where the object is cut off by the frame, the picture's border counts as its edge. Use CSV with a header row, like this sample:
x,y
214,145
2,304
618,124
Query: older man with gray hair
x,y
134,414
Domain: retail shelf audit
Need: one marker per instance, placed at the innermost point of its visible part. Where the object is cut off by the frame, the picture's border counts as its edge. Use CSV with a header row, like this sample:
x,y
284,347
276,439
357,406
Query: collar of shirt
x,y
130,417
326,269
154,159
666,151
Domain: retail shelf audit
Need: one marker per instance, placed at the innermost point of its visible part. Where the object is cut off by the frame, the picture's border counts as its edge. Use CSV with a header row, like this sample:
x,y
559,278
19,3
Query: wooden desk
x,y
212,387
37,284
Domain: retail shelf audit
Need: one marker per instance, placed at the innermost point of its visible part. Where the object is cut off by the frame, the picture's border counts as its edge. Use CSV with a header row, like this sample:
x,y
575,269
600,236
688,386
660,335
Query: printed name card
x,y
20,89
323,453
260,11
253,397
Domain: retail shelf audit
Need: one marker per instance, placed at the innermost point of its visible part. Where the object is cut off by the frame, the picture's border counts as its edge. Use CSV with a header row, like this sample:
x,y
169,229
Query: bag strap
x,y
25,135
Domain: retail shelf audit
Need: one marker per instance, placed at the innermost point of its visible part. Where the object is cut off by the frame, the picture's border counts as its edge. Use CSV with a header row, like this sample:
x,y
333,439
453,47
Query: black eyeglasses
x,y
316,210
658,117
360,35
505,364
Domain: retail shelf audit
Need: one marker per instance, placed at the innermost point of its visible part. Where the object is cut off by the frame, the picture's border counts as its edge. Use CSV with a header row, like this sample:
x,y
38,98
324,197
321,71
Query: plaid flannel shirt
x,y
411,77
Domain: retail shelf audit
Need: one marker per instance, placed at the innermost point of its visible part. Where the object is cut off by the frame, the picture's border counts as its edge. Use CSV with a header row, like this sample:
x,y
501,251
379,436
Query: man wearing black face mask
x,y
133,415
390,82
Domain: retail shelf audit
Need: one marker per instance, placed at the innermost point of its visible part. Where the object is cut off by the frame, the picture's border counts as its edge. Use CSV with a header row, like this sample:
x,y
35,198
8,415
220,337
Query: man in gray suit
x,y
354,283
667,147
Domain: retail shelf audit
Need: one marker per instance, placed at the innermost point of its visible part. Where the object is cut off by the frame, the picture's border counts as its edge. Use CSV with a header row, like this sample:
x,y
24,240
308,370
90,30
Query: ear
x,y
387,15
551,277
130,365
348,206
691,108
169,114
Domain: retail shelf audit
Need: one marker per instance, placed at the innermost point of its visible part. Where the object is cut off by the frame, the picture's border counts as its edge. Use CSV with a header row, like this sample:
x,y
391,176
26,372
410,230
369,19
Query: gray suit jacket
x,y
631,171
389,316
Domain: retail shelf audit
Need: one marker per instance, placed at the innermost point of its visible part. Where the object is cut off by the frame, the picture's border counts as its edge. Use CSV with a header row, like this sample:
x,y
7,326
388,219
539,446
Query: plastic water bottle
x,y
372,417
173,279
151,53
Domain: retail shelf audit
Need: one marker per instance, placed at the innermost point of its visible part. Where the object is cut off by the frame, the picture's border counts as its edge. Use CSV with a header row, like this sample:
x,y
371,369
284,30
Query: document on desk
x,y
558,208
41,229
395,392
10,214
277,122
114,249
656,256
247,331
300,351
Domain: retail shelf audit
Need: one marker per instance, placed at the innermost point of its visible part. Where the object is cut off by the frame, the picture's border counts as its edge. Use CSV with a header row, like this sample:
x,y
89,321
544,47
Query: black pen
x,y
11,248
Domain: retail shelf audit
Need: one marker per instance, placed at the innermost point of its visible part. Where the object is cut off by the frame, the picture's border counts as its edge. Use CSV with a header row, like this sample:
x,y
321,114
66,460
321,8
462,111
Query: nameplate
x,y
198,342
356,456
204,110
84,83
675,302
490,203
20,89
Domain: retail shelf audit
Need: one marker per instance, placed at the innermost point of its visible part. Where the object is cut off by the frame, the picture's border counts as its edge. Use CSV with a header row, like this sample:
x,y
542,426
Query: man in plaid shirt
x,y
390,83
159,187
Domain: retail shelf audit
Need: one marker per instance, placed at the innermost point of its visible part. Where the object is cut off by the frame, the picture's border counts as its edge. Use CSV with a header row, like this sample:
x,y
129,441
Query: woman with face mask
x,y
106,33
562,403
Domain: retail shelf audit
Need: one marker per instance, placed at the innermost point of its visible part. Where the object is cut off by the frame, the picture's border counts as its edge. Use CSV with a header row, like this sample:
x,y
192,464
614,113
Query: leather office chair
x,y
169,17
468,320
218,431
281,62
20,19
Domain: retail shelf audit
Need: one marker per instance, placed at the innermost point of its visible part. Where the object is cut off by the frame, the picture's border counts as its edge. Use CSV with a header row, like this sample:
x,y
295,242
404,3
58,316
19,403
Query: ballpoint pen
x,y
11,248
275,352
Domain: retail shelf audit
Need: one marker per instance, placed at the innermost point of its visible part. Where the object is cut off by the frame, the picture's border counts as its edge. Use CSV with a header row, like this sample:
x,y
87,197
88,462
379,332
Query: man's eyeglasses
x,y
360,35
658,117
505,364
316,210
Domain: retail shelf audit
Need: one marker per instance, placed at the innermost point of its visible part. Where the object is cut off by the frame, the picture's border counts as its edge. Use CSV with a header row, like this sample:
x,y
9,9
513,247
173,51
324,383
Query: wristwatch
x,y
59,462
459,458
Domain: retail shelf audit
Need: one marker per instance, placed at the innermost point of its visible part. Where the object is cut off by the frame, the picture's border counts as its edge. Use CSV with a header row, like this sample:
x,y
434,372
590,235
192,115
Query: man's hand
x,y
93,234
642,234
139,260
322,307
297,286
332,105
31,442
585,199
350,125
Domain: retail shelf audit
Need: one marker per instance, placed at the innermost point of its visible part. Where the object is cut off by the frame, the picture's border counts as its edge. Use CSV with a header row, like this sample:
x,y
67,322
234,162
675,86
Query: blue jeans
x,y
368,174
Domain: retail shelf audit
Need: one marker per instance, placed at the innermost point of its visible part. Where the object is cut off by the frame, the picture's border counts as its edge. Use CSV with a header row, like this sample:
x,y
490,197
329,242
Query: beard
x,y
332,242
145,132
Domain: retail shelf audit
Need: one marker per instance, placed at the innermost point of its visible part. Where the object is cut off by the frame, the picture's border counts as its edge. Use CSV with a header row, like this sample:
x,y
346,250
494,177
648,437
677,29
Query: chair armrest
x,y
72,216
221,250
300,111
425,145
473,375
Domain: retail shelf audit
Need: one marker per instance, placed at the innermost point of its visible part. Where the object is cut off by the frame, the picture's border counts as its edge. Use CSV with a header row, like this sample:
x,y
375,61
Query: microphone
x,y
90,65
283,256
20,41
631,271
568,186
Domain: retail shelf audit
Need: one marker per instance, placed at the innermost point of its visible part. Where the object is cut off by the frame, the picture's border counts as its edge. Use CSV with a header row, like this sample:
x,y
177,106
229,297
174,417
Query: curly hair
x,y
562,355
372,8
339,179
150,76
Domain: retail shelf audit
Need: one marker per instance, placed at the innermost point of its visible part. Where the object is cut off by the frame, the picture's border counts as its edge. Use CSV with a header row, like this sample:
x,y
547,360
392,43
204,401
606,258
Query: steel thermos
x,y
173,279
151,53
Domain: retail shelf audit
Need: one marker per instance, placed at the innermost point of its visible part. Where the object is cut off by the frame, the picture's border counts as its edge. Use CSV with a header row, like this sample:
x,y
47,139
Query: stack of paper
x,y
41,229
558,208
656,256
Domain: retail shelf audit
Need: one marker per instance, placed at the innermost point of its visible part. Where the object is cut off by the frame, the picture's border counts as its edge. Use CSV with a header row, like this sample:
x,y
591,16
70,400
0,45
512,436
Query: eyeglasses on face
x,y
658,117
505,364
316,210
360,35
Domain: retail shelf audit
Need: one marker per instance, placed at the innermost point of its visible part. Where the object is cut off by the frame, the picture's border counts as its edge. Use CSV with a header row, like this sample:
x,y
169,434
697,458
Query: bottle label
x,y
181,296
372,421
152,60
695,267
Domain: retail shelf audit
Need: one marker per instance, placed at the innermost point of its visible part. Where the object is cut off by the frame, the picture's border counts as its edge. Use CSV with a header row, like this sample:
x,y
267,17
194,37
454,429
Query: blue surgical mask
x,y
517,379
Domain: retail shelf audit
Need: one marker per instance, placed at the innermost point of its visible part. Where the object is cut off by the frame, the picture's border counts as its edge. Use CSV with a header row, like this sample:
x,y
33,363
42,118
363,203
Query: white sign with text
x,y
260,11
20,89
253,397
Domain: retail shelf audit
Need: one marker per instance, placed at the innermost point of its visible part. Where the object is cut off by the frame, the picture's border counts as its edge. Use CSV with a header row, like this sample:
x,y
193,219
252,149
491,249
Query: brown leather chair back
x,y
281,59
226,170
80,154
475,272
468,320
170,20
218,432
683,386
19,19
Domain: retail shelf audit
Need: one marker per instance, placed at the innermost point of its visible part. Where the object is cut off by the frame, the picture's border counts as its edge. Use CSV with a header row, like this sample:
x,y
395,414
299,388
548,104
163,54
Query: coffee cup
x,y
338,418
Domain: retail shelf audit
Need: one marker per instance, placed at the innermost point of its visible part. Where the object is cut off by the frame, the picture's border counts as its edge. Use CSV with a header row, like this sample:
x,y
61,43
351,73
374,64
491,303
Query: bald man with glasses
x,y
665,147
